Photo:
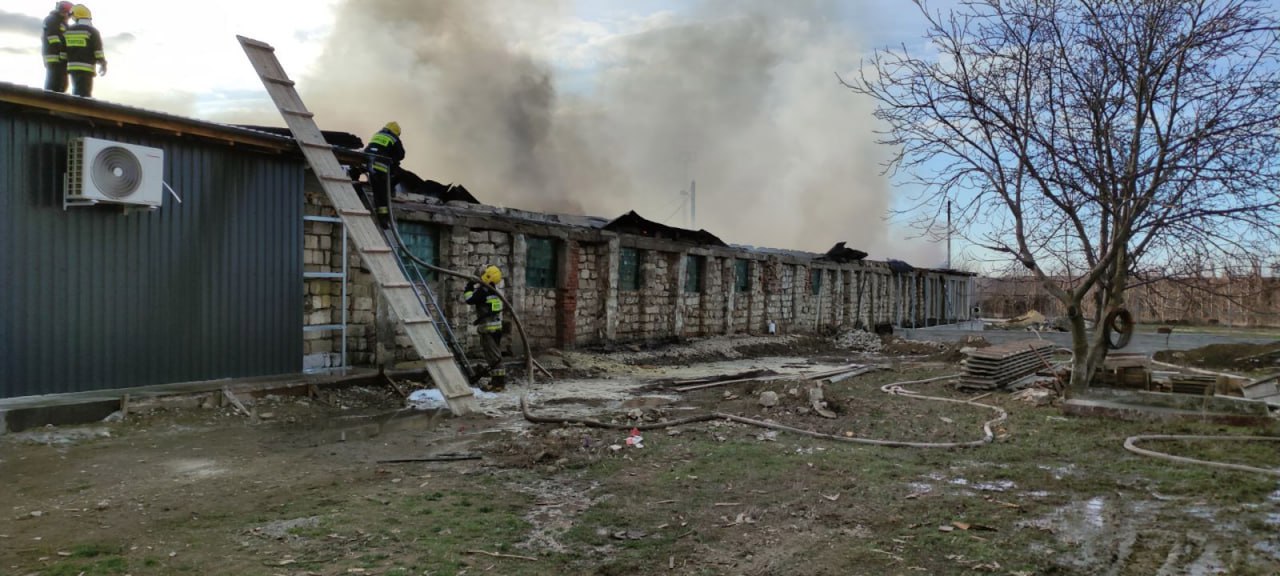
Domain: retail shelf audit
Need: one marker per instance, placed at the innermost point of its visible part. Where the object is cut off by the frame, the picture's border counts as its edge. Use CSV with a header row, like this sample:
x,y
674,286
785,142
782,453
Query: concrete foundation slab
x,y
26,412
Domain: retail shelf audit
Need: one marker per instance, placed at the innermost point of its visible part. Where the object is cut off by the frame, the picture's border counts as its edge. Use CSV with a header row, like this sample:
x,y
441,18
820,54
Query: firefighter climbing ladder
x,y
382,261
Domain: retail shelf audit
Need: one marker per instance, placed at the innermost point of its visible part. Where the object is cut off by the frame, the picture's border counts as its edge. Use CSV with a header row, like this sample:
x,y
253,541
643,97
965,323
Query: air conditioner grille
x,y
116,172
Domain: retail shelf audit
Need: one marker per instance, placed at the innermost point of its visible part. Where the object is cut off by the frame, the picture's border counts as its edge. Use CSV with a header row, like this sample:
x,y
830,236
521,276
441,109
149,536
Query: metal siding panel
x,y
8,286
199,290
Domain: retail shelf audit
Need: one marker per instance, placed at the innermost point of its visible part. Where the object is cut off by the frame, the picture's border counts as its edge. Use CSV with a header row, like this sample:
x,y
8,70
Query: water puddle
x,y
1059,472
195,468
986,486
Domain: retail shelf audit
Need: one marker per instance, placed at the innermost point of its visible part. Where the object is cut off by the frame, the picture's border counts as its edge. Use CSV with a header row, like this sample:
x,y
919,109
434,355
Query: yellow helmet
x,y
81,12
393,127
491,275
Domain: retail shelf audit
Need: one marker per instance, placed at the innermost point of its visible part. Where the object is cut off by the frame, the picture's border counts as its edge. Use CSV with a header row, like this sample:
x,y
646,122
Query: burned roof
x,y
841,253
900,267
633,223
414,184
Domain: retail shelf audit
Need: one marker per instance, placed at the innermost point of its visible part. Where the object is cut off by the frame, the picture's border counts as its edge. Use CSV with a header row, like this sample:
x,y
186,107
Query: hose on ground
x,y
895,388
1131,444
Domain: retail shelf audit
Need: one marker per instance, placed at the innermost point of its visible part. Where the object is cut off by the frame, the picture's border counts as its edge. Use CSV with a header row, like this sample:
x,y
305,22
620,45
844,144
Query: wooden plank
x,y
362,230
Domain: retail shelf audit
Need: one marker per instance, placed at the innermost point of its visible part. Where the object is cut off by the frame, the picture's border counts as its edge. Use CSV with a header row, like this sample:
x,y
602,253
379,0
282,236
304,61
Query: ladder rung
x,y
316,145
423,320
376,250
302,113
355,213
440,357
396,285
328,178
280,81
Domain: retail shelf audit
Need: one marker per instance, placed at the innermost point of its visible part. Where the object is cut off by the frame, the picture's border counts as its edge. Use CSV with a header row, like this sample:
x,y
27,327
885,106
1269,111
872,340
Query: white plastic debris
x,y
433,399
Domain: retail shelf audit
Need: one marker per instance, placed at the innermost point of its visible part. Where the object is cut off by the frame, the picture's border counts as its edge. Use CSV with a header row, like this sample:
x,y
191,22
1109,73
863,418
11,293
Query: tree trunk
x,y
1081,368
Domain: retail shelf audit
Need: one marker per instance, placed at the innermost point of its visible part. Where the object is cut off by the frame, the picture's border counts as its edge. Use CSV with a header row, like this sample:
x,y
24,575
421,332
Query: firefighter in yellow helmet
x,y
84,51
488,322
385,151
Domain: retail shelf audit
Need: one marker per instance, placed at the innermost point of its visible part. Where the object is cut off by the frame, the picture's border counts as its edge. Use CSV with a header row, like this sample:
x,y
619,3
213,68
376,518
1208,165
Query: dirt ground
x,y
307,489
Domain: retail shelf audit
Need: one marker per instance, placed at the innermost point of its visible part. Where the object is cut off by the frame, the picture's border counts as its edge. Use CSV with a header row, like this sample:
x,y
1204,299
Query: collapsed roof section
x,y
633,223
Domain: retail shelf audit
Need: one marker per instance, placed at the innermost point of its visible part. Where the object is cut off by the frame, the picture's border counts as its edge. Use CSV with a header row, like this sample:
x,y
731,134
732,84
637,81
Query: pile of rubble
x,y
859,340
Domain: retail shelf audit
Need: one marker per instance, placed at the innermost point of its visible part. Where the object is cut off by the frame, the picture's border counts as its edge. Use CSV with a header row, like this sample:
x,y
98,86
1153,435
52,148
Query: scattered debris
x,y
860,341
818,403
629,535
1035,396
448,457
231,397
500,555
769,399
1032,320
635,440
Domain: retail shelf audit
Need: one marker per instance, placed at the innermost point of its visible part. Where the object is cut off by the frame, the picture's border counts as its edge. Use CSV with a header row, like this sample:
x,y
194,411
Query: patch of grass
x,y
94,550
102,567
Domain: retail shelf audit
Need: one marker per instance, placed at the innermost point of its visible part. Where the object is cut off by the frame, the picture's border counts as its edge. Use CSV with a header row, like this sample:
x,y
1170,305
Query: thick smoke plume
x,y
739,95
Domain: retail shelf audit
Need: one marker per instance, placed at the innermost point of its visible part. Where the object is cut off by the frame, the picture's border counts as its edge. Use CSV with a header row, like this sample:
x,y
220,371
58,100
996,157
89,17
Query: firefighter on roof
x,y
488,322
84,51
385,151
55,49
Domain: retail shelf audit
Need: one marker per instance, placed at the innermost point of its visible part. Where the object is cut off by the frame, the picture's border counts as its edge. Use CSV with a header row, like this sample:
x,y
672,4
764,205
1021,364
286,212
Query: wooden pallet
x,y
364,232
999,366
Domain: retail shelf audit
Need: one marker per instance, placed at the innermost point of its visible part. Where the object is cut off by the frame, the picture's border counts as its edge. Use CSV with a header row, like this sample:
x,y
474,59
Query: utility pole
x,y
693,204
948,234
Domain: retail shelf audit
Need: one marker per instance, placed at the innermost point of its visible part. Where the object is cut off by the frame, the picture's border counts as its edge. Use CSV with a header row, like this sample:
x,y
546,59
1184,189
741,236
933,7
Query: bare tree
x,y
1100,134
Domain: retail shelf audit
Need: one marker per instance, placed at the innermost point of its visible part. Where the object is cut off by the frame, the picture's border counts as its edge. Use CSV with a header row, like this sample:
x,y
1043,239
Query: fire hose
x,y
895,388
528,351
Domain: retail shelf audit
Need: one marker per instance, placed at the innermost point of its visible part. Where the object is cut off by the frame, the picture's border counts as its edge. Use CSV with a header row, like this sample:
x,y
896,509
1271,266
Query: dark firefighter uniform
x,y
84,52
488,322
385,152
54,49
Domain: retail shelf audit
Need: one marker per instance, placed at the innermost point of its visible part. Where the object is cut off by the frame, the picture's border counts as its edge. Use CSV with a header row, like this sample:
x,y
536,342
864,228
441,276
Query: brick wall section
x,y
567,306
587,307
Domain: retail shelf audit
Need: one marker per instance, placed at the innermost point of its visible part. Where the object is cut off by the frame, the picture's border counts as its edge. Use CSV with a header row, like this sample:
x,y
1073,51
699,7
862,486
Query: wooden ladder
x,y
365,233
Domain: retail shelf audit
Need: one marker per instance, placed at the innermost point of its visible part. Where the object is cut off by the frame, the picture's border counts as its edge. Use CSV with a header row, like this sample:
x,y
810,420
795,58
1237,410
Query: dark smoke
x,y
740,95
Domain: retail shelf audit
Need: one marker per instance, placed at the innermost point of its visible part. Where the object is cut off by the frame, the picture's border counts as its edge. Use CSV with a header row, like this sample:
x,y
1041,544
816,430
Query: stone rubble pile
x,y
859,340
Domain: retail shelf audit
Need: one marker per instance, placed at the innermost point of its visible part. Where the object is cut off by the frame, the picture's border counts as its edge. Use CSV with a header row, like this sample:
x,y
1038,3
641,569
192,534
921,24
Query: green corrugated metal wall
x,y
92,299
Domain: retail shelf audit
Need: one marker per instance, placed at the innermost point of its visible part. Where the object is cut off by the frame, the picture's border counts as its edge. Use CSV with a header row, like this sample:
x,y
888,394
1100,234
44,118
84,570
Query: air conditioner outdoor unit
x,y
102,171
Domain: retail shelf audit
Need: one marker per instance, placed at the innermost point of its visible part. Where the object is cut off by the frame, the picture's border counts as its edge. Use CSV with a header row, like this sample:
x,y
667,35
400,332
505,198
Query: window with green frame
x,y
815,281
693,273
540,263
629,269
422,241
742,275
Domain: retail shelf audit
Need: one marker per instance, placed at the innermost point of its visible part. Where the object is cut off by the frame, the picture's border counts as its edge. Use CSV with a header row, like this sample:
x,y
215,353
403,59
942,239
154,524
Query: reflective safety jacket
x,y
54,49
84,47
388,148
488,307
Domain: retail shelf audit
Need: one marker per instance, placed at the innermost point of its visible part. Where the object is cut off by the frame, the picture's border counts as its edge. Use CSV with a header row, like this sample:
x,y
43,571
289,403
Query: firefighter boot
x,y
497,380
